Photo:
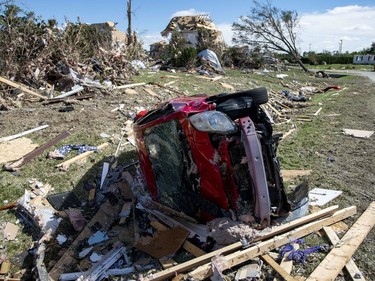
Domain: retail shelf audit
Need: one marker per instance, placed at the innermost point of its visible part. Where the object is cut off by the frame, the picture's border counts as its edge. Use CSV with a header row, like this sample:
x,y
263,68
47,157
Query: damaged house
x,y
188,27
116,36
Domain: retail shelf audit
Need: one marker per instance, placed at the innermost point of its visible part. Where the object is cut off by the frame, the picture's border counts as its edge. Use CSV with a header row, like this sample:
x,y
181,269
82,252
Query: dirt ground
x,y
338,162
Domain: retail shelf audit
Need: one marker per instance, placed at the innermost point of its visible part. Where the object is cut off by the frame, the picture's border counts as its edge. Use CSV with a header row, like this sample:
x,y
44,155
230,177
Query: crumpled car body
x,y
213,156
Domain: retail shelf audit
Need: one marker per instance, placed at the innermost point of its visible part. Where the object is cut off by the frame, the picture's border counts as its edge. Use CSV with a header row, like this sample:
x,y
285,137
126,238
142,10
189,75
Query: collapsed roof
x,y
189,23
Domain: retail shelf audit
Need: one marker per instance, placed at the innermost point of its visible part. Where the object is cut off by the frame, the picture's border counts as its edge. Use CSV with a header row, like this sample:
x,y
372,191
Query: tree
x,y
129,14
269,27
371,49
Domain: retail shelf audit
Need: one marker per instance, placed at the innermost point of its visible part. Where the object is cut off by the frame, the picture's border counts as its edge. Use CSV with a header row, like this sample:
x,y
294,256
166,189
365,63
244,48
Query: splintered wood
x,y
339,256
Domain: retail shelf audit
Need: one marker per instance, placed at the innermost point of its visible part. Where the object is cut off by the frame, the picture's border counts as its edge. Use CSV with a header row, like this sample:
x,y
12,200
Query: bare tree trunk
x,y
303,66
129,13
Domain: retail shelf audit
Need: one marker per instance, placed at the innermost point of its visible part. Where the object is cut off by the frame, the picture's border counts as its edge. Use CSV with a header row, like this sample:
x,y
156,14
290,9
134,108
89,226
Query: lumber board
x,y
351,267
129,86
188,246
339,256
277,268
167,262
186,266
21,87
261,248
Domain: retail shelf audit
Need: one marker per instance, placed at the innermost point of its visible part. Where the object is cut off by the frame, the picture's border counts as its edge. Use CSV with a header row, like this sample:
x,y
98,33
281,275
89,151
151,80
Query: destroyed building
x,y
109,27
188,27
158,49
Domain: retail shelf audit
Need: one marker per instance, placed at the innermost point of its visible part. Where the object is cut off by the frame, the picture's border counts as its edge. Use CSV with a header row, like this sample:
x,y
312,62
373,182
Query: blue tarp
x,y
212,58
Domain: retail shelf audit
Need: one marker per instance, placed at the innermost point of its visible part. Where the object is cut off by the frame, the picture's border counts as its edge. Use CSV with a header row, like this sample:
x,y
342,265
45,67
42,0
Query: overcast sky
x,y
323,24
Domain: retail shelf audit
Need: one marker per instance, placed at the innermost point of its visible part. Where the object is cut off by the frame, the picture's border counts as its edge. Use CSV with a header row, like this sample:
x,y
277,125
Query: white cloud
x,y
148,39
354,25
226,29
190,12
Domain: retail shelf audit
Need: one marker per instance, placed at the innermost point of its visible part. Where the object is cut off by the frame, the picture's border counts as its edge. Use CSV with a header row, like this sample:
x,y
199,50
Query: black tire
x,y
258,95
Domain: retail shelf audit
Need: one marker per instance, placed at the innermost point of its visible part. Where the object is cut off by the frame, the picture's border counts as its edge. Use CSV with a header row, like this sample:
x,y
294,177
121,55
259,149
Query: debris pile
x,y
117,231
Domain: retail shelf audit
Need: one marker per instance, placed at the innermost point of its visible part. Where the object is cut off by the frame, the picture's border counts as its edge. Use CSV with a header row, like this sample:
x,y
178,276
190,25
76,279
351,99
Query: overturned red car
x,y
213,156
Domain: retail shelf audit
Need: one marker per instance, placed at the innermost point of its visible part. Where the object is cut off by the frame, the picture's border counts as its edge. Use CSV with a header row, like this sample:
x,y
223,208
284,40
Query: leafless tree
x,y
269,27
129,14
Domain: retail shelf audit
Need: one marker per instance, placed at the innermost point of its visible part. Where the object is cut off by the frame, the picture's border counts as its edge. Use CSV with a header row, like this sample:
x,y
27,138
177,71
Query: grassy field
x,y
338,162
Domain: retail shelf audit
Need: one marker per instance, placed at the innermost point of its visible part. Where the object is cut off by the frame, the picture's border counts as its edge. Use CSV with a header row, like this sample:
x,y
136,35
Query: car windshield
x,y
164,147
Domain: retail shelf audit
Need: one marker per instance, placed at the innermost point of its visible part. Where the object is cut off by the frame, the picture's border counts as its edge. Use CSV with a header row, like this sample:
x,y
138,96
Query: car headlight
x,y
213,122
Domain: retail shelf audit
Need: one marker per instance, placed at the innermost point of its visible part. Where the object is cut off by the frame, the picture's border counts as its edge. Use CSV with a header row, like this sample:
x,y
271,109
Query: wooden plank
x,y
351,267
186,266
274,109
339,256
277,268
170,211
65,165
20,87
167,262
188,246
129,86
261,248
152,93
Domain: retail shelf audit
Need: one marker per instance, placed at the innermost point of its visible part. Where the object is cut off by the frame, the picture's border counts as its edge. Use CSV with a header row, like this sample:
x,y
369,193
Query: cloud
x,y
354,25
149,39
190,12
226,29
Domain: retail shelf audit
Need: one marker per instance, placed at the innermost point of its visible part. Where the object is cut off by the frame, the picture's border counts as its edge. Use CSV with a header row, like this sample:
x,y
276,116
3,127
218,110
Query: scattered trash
x,y
293,97
98,237
358,133
321,196
10,231
281,76
61,239
249,271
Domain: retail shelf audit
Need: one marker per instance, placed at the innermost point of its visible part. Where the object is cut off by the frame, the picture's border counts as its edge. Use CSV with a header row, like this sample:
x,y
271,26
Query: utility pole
x,y
340,46
310,48
129,13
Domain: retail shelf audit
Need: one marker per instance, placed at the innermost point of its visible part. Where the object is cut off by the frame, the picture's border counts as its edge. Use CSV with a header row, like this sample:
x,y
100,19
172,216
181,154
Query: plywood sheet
x,y
15,149
163,243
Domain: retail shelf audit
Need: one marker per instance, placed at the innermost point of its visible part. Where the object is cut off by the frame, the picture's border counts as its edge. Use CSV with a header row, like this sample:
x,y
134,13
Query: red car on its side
x,y
213,156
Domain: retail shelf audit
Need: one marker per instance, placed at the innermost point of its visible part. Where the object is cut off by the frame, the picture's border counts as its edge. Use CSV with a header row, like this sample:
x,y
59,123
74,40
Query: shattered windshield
x,y
164,147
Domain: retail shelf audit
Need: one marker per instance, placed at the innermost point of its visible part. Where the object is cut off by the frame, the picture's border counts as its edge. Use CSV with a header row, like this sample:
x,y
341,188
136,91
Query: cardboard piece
x,y
358,133
290,174
163,243
15,149
10,231
321,196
